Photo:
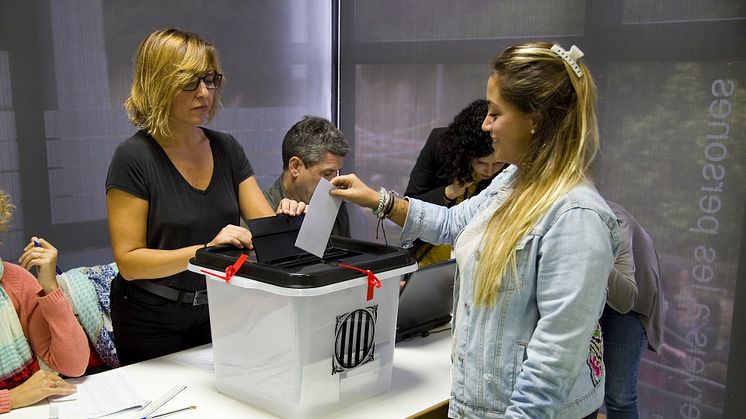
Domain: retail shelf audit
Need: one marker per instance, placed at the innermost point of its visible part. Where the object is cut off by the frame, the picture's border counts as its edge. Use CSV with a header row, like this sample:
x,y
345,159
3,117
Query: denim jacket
x,y
537,353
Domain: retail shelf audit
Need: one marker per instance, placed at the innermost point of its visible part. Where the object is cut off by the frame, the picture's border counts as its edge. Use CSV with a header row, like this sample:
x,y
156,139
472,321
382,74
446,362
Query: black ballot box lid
x,y
278,262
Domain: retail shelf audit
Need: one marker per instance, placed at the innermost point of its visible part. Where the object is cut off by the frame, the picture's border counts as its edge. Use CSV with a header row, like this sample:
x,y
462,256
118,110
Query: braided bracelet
x,y
389,204
378,212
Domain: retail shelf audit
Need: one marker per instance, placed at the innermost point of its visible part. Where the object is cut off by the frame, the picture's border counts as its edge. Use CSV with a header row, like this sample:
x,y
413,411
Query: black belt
x,y
195,298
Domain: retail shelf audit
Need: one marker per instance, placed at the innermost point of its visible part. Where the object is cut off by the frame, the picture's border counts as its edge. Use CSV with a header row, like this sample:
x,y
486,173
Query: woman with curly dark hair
x,y
456,163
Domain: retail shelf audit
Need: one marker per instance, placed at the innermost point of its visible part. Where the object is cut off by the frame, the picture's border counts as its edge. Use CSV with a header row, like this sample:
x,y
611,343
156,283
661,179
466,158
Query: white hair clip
x,y
570,57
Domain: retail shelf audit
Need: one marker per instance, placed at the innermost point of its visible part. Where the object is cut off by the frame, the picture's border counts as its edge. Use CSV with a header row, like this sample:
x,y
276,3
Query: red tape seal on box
x,y
373,280
230,270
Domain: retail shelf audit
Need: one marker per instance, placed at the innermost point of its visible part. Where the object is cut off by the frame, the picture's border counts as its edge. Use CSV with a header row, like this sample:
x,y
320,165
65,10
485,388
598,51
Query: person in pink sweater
x,y
36,321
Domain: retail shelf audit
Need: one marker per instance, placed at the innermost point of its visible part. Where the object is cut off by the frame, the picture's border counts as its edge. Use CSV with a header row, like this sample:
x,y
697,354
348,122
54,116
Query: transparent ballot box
x,y
298,335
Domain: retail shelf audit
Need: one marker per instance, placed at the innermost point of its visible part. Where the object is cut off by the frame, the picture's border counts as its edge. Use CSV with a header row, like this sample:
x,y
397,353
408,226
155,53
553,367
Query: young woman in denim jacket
x,y
534,249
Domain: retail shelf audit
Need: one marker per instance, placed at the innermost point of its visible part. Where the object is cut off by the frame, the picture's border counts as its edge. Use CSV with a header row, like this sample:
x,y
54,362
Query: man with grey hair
x,y
312,148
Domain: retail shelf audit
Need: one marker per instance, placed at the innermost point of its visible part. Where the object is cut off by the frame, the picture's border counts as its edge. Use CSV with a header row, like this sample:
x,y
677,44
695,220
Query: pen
x,y
173,412
57,268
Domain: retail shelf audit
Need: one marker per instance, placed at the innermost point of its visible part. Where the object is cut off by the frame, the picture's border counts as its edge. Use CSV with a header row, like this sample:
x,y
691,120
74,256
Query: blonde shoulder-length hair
x,y
537,81
165,61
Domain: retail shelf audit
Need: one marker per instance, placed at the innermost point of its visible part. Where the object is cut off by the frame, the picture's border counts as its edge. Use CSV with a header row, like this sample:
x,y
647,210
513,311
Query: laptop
x,y
426,300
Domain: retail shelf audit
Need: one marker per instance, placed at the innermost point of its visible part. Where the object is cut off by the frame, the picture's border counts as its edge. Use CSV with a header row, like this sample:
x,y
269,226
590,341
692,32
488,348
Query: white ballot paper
x,y
317,226
99,395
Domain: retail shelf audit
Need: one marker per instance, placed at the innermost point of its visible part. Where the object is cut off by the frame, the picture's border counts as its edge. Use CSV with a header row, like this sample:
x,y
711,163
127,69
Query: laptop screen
x,y
426,300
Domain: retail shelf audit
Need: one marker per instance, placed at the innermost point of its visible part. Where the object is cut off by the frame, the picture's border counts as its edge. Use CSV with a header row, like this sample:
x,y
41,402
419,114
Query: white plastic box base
x,y
302,353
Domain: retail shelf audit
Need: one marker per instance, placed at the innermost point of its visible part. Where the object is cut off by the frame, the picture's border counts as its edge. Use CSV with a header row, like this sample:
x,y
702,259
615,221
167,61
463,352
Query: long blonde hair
x,y
537,81
165,61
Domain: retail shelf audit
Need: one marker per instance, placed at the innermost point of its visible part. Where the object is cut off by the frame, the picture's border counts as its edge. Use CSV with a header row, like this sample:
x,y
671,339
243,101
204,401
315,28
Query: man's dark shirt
x,y
341,225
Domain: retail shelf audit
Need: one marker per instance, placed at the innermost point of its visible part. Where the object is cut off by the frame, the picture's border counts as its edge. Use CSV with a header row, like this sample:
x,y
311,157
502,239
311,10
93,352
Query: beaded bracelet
x,y
385,204
379,209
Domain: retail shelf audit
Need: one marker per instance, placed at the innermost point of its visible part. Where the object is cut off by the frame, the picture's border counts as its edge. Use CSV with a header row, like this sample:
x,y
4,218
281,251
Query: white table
x,y
420,379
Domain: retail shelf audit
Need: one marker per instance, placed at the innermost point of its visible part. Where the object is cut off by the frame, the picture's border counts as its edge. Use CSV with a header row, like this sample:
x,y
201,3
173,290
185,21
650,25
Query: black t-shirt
x,y
178,214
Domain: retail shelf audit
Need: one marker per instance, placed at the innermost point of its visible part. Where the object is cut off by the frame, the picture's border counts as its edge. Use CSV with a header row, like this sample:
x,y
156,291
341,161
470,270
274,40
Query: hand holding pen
x,y
43,255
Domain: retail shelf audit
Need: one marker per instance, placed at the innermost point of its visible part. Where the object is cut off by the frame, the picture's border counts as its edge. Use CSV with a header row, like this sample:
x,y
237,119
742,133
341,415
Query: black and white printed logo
x,y
354,342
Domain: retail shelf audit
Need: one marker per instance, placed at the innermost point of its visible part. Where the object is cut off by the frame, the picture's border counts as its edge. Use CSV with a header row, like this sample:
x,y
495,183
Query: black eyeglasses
x,y
212,81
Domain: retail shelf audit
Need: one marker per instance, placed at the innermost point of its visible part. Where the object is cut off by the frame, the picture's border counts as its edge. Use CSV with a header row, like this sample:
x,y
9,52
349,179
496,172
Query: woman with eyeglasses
x,y
174,187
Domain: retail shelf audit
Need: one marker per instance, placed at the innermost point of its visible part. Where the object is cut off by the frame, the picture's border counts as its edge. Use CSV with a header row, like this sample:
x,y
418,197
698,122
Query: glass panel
x,y
396,107
430,20
277,62
645,11
671,157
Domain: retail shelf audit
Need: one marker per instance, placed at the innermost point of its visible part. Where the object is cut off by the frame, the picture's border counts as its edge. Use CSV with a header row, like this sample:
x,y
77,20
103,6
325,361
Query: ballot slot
x,y
331,256
274,243
275,259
